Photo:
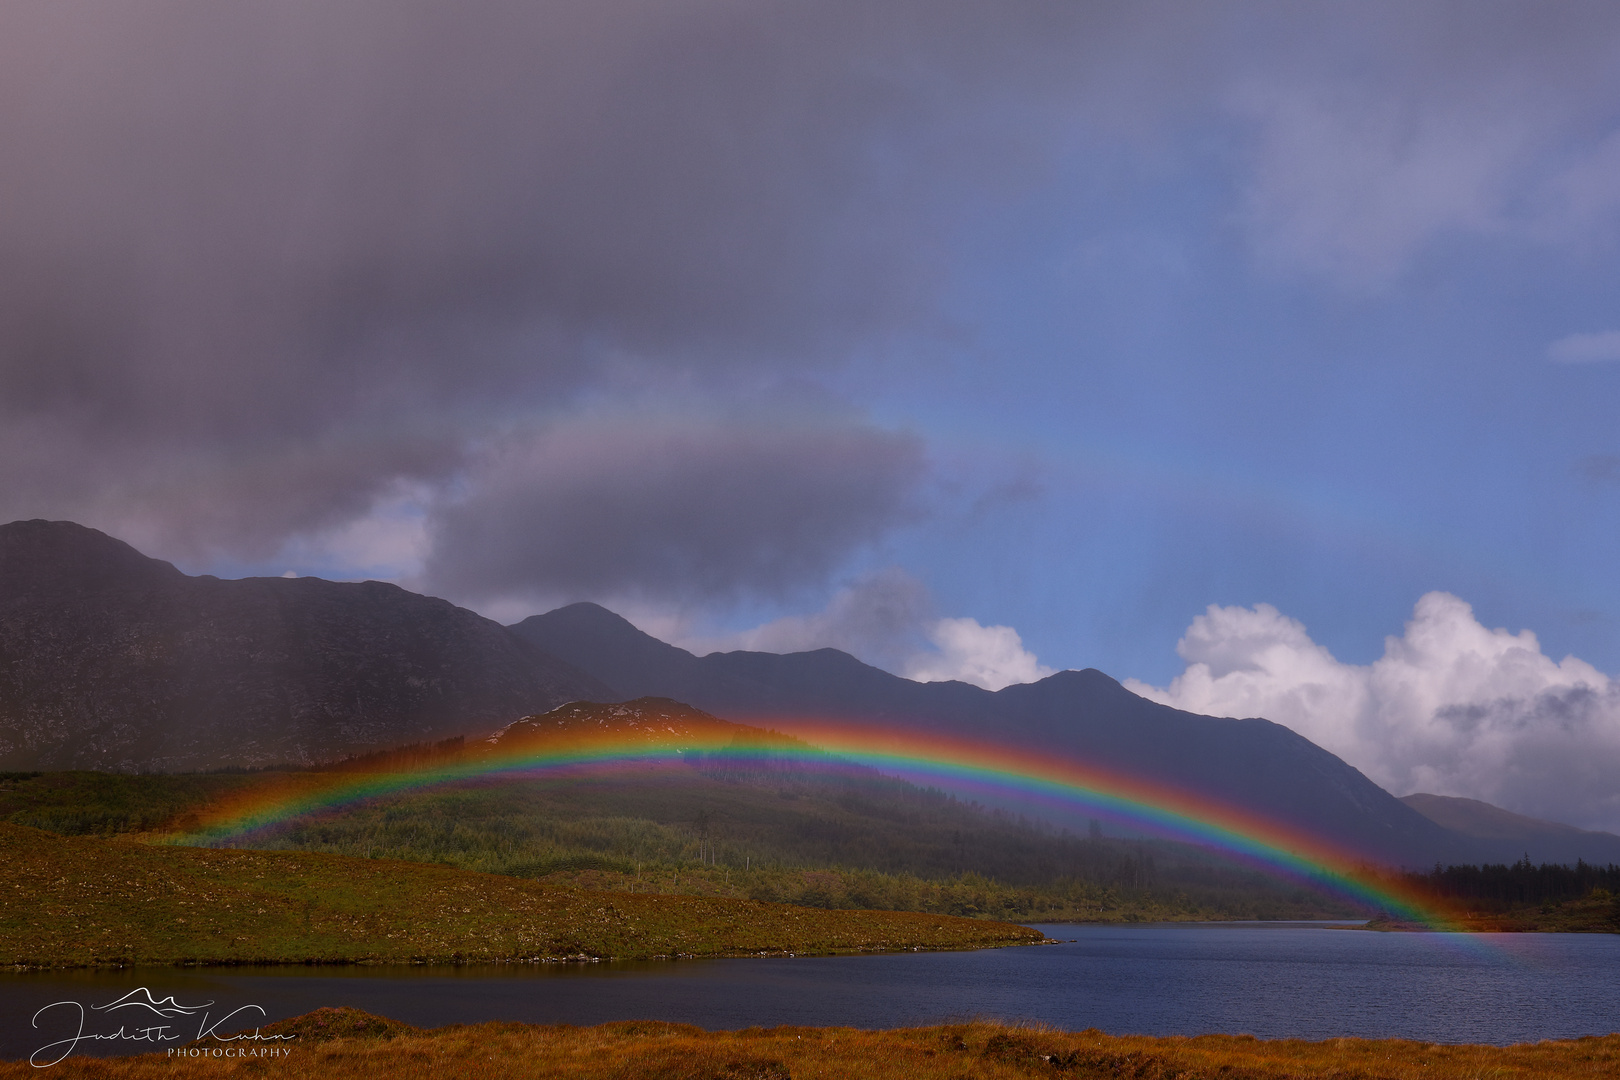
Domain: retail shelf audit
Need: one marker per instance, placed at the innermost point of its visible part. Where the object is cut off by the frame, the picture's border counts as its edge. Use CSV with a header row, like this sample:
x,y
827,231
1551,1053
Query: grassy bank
x,y
349,1044
1597,912
68,901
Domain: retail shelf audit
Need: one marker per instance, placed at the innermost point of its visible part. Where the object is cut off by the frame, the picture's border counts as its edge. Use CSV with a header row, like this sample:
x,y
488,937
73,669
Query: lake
x,y
1272,980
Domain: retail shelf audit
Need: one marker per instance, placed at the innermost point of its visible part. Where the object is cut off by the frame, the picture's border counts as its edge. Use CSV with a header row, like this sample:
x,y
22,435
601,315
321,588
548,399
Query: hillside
x,y
826,842
811,831
1505,837
78,902
1250,763
112,660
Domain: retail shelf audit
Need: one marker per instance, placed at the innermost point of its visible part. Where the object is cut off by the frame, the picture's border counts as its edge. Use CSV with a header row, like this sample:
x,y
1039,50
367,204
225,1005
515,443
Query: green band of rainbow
x,y
946,761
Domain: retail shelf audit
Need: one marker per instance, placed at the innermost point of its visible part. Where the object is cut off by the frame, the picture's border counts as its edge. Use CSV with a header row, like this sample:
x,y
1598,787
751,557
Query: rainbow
x,y
944,761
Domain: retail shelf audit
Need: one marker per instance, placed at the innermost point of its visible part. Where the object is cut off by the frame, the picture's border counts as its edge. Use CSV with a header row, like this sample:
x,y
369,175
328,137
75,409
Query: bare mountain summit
x,y
113,660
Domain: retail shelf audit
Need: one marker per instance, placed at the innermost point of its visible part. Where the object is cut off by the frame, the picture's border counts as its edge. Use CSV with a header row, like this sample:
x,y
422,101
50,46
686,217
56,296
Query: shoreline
x,y
508,962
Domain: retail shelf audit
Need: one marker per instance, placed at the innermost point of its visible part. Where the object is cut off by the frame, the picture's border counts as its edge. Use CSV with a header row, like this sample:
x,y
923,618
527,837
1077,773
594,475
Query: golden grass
x,y
332,1043
1595,913
67,901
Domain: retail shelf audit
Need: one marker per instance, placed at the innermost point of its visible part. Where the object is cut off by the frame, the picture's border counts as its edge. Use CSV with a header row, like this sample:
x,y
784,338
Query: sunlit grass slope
x,y
70,901
345,1043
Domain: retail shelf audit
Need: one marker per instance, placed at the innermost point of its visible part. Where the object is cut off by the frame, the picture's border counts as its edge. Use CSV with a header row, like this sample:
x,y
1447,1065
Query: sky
x,y
1263,354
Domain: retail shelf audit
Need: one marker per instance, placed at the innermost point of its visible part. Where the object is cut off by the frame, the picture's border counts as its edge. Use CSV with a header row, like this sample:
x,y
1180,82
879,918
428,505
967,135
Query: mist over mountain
x,y
112,660
1253,764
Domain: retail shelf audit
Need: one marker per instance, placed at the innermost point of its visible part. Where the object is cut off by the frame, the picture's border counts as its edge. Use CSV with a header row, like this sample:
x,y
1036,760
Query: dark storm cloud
x,y
672,510
261,264
289,212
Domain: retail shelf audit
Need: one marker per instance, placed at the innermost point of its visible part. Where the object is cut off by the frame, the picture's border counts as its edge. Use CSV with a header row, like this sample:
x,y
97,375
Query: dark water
x,y
1269,980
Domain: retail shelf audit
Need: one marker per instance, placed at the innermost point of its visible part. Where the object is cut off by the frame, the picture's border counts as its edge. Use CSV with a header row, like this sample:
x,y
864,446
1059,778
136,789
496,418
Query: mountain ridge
x,y
1510,837
1252,764
113,660
110,659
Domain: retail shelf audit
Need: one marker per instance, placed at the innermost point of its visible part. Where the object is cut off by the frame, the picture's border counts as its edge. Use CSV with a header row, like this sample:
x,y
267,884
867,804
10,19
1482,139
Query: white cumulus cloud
x,y
1452,707
987,656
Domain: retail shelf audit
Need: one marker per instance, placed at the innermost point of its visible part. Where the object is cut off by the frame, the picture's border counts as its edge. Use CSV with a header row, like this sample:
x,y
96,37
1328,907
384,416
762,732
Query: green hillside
x,y
822,840
72,901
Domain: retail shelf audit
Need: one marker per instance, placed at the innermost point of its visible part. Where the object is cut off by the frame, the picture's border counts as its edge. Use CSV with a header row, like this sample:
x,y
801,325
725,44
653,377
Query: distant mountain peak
x,y
111,659
1504,836
39,556
586,612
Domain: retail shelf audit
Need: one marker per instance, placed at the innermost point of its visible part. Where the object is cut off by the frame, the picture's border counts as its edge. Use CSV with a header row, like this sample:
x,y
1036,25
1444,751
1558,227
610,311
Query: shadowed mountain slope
x,y
1506,837
1253,764
112,660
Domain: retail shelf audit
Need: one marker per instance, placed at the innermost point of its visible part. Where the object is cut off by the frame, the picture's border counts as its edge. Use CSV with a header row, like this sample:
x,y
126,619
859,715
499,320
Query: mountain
x,y
1251,763
1506,837
113,660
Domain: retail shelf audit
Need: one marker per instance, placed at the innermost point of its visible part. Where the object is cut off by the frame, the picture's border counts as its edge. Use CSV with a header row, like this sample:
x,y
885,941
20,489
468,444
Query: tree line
x,y
1520,884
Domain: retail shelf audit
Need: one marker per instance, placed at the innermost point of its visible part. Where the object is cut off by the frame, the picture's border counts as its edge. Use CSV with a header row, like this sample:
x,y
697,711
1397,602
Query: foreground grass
x,y
332,1042
67,901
